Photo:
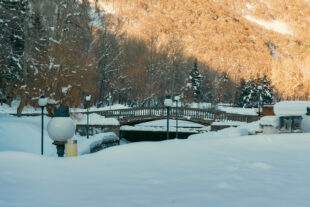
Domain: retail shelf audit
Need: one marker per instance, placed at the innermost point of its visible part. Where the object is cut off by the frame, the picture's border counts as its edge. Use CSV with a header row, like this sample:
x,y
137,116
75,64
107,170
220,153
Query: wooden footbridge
x,y
132,116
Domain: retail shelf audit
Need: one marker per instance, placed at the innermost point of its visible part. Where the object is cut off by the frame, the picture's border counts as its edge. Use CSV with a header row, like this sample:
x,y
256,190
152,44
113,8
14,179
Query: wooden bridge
x,y
203,116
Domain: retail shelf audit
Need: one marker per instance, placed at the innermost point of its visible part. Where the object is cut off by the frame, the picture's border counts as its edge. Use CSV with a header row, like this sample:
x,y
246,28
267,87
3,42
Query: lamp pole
x,y
42,103
87,98
168,104
176,98
259,87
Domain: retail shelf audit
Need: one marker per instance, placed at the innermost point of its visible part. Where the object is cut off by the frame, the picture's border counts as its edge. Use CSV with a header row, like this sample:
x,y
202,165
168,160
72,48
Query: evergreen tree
x,y
240,93
249,95
12,22
195,82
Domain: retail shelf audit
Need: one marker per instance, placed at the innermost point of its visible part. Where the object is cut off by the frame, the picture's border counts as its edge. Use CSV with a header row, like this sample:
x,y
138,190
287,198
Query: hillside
x,y
243,38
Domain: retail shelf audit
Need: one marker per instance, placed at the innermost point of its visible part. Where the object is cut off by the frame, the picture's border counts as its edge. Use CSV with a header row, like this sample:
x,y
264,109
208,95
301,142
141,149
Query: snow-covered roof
x,y
291,108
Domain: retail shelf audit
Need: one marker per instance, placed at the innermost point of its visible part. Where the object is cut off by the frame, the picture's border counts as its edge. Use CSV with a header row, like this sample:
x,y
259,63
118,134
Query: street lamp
x,y
87,99
176,98
42,103
60,129
259,87
168,104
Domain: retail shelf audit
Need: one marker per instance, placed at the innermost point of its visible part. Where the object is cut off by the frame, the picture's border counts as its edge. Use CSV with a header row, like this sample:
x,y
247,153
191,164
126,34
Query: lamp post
x,y
259,87
42,103
60,129
168,104
87,99
176,98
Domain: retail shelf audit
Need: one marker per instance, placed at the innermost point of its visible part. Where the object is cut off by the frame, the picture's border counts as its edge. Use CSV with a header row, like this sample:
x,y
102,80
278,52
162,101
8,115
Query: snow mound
x,y
270,121
95,119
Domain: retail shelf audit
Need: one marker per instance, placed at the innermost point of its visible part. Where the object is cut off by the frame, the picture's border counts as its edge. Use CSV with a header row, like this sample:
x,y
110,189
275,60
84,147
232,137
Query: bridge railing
x,y
191,113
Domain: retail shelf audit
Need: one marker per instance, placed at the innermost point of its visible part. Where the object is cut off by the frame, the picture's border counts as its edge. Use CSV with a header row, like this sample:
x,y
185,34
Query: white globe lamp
x,y
60,129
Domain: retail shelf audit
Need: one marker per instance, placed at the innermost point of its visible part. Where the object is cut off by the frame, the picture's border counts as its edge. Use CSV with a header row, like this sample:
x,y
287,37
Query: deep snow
x,y
226,168
244,171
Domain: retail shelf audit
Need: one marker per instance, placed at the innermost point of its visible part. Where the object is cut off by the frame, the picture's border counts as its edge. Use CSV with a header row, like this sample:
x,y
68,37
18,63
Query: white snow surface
x,y
237,110
291,108
24,135
227,123
172,123
275,25
227,168
270,121
262,170
6,109
95,119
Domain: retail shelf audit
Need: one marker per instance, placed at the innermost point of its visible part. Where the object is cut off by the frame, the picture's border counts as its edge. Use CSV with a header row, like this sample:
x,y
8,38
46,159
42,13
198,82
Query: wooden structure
x,y
267,110
202,116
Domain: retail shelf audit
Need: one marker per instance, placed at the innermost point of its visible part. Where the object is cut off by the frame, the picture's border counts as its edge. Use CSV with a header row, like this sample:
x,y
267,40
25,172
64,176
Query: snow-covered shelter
x,y
291,115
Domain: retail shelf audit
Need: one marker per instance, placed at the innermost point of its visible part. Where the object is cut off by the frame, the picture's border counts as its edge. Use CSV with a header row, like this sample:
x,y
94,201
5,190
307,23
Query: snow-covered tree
x,y
12,24
193,86
249,95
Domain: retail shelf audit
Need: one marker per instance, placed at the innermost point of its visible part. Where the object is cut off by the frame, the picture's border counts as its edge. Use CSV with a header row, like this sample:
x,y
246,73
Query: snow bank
x,y
237,110
242,130
6,109
270,121
291,108
24,135
85,145
95,119
225,123
242,171
105,108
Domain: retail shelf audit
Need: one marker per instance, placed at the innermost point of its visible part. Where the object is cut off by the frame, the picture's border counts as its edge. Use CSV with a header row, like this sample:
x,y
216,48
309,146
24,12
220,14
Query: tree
x,y
249,96
12,23
193,85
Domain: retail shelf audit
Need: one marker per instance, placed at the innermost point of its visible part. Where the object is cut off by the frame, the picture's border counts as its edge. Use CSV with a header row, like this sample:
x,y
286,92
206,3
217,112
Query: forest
x,y
67,49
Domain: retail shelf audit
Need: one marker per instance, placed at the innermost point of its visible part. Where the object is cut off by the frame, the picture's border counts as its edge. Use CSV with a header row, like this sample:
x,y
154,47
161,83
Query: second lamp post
x,y
42,103
259,88
87,99
168,104
176,98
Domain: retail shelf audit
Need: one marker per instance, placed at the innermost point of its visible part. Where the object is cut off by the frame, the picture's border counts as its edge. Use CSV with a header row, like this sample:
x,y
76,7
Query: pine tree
x,y
195,82
12,22
240,93
249,96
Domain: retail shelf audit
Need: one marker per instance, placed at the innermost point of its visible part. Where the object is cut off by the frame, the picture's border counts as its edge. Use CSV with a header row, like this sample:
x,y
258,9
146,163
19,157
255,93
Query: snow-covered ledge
x,y
270,124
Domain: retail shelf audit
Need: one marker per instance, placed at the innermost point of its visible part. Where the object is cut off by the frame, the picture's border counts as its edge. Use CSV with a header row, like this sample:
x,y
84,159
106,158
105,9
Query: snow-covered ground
x,y
94,119
237,110
24,135
237,171
6,109
228,168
